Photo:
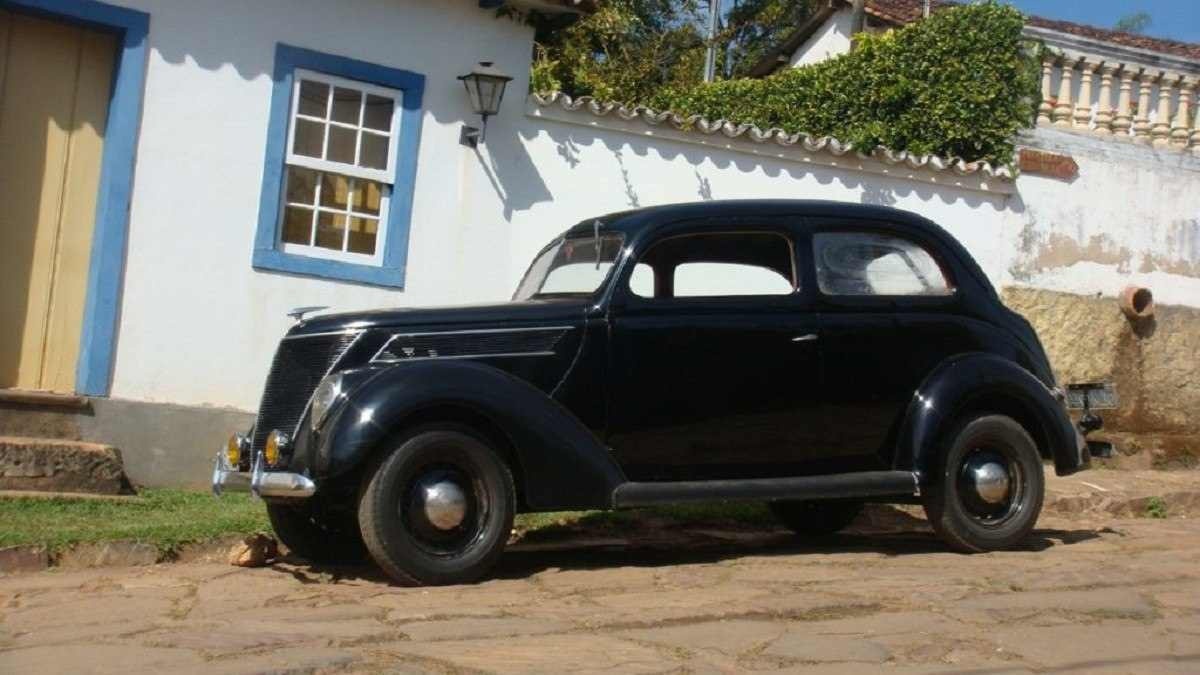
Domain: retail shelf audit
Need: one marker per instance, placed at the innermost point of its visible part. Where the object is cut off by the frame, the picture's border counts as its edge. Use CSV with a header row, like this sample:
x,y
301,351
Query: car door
x,y
887,306
714,356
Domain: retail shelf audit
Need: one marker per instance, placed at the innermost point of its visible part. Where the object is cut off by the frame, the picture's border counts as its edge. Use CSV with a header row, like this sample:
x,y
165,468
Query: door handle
x,y
805,338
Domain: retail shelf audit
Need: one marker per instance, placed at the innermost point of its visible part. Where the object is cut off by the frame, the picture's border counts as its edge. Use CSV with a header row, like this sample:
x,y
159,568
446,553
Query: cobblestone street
x,y
1088,594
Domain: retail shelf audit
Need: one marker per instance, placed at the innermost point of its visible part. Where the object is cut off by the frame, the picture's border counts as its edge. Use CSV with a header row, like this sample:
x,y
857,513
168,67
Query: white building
x,y
178,175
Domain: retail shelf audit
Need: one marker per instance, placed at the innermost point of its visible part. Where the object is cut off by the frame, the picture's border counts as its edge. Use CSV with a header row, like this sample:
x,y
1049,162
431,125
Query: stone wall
x,y
1154,365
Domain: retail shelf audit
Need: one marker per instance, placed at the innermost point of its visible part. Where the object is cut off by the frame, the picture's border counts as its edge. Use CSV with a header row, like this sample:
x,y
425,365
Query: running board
x,y
832,486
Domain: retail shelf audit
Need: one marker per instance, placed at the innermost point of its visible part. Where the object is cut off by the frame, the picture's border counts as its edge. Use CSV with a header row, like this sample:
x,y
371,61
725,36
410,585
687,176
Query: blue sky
x,y
1175,19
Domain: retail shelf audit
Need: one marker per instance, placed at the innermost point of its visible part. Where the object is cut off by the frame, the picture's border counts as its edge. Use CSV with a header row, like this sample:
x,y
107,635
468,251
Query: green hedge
x,y
960,83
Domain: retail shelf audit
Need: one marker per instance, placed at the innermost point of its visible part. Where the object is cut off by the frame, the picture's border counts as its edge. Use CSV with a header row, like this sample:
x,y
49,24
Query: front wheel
x,y
990,490
438,508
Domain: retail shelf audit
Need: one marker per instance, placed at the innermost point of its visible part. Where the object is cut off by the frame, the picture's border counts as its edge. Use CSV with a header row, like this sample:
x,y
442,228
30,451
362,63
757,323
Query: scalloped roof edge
x,y
754,134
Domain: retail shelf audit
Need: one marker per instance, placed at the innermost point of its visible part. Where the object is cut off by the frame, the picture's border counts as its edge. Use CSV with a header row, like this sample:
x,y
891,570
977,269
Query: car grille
x,y
300,364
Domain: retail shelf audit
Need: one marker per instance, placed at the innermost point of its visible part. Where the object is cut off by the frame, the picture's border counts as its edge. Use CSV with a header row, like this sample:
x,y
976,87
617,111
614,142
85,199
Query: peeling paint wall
x,y
1131,216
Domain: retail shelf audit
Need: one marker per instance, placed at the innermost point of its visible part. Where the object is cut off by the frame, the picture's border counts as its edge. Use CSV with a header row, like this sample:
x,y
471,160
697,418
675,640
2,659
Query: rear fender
x,y
980,382
561,463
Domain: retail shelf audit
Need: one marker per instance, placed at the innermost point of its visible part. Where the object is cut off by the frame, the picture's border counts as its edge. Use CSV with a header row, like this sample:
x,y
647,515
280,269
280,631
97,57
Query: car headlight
x,y
236,448
277,444
324,398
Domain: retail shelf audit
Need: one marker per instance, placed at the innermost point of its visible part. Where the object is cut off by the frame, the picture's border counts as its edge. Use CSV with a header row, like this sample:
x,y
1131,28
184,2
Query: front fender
x,y
561,463
979,382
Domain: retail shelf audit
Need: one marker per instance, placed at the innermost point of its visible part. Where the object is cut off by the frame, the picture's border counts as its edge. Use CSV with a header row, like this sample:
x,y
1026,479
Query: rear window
x,y
870,263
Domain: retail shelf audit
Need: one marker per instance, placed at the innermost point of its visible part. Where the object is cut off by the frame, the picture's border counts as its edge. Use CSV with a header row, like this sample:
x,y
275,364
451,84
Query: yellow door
x,y
54,91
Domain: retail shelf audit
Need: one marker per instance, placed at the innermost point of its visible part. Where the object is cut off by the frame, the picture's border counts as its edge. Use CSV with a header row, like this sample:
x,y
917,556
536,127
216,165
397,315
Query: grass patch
x,y
1156,508
165,518
169,519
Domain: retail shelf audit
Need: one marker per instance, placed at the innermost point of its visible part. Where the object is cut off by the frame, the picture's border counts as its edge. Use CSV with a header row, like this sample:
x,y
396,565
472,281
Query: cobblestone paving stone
x,y
1086,594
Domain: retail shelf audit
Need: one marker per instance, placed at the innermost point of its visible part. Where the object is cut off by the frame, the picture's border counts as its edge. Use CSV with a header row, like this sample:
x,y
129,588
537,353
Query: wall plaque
x,y
1047,163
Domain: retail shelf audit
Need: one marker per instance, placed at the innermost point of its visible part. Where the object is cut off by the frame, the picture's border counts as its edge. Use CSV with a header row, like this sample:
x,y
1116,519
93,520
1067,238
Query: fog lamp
x,y
235,447
277,443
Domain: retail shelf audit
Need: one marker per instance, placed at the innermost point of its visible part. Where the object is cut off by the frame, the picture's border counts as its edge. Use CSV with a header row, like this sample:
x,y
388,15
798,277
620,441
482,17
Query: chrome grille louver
x,y
300,364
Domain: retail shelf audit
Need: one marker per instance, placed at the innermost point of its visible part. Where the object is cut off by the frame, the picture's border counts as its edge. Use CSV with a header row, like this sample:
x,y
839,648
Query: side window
x,y
642,280
869,263
716,265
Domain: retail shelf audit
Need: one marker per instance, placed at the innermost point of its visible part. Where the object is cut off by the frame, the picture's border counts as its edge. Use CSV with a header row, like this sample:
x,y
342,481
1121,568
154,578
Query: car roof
x,y
636,223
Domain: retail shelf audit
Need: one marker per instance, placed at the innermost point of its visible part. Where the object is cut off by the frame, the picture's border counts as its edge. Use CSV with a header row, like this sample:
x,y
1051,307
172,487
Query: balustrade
x,y
1153,105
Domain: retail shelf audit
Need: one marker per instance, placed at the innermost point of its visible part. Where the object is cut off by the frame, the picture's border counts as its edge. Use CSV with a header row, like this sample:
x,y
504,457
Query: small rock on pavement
x,y
15,559
254,551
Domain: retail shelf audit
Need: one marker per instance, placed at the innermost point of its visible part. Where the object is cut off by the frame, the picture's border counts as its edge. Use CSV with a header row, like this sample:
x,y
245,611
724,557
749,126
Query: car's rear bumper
x,y
258,481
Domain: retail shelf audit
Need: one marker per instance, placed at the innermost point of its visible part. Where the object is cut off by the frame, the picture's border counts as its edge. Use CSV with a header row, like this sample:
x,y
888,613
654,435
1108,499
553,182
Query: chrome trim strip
x,y
484,330
479,331
347,331
462,356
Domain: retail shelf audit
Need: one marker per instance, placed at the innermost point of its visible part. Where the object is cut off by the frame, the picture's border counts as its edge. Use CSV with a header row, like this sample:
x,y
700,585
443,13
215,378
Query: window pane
x,y
703,279
346,103
331,229
374,151
378,113
301,185
362,235
313,98
641,282
335,190
310,136
866,263
367,195
341,145
297,225
724,265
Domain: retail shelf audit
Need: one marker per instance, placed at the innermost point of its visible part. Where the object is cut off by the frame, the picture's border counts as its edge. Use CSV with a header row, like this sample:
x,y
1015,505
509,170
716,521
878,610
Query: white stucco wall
x,y
831,39
199,324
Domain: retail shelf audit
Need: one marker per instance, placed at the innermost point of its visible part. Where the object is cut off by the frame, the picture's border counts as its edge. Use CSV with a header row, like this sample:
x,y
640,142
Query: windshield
x,y
571,267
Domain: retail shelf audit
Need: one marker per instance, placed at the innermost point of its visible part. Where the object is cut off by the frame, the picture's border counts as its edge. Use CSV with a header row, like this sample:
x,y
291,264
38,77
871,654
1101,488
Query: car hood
x,y
516,313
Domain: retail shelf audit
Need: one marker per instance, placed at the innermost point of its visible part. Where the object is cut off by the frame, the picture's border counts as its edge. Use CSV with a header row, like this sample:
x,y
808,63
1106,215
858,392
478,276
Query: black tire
x,y
399,532
817,518
969,522
317,534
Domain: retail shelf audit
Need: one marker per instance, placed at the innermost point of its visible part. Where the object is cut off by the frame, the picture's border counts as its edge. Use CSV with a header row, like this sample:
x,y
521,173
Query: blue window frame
x,y
270,251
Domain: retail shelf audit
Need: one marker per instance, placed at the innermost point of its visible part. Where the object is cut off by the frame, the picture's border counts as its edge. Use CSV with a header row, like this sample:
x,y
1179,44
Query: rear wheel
x,y
990,490
438,509
316,533
819,518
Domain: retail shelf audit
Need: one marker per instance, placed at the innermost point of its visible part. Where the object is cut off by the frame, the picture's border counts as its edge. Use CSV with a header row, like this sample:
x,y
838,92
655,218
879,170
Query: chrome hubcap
x,y
990,480
444,503
991,486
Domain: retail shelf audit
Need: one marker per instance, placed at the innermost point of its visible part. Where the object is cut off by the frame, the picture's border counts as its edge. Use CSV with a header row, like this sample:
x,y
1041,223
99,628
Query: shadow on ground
x,y
660,542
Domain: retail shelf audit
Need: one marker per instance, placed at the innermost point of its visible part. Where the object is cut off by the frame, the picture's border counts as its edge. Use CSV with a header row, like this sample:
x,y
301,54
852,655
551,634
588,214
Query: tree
x,y
1137,22
754,27
629,49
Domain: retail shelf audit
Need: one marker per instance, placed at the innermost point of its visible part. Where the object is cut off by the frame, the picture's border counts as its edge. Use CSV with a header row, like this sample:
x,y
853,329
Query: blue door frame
x,y
106,271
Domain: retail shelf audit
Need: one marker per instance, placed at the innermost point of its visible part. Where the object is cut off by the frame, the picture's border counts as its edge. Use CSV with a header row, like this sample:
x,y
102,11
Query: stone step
x,y
42,414
56,465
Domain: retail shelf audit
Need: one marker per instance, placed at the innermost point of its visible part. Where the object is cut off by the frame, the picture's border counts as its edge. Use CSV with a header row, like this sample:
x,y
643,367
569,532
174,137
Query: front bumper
x,y
258,481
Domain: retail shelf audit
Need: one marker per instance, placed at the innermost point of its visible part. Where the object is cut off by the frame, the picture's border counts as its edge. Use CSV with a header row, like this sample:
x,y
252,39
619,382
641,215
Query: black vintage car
x,y
811,355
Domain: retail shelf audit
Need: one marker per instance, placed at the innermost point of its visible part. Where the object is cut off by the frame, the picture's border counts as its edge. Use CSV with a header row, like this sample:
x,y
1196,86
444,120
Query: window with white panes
x,y
340,167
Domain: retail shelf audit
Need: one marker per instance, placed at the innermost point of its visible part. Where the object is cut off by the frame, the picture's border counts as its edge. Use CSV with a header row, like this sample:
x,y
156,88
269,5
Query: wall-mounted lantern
x,y
485,86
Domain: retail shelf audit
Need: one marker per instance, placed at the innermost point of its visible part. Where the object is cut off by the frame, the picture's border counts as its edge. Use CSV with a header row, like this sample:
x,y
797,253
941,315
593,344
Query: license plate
x,y
1097,396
